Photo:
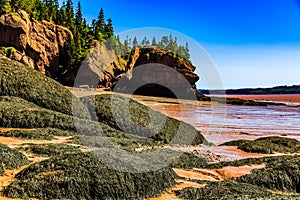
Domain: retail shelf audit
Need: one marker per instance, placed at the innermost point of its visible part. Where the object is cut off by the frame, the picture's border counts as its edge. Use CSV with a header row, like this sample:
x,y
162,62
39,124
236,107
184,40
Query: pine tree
x,y
126,45
100,26
70,21
187,50
135,42
62,15
5,6
52,7
109,30
154,43
78,16
101,20
164,41
94,27
26,5
145,42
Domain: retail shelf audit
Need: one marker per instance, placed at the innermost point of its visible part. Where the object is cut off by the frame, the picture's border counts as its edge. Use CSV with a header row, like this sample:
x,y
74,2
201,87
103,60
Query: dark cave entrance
x,y
153,89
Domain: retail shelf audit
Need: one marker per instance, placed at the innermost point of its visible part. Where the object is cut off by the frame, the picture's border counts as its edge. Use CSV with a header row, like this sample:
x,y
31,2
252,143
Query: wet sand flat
x,y
269,97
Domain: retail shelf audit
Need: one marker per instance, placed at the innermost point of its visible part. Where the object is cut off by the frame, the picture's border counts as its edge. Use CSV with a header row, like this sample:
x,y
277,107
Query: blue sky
x,y
252,42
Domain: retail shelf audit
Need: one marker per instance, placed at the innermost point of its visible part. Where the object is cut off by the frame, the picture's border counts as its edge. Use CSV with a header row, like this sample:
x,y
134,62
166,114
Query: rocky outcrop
x,y
152,68
40,45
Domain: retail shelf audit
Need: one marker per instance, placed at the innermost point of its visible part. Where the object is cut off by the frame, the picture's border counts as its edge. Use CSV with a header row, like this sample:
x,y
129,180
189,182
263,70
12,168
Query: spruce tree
x,y
109,30
26,5
78,16
154,43
145,42
135,42
52,7
100,26
62,15
101,21
70,21
126,45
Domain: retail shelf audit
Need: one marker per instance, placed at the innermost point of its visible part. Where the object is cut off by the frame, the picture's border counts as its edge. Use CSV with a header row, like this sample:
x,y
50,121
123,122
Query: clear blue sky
x,y
252,42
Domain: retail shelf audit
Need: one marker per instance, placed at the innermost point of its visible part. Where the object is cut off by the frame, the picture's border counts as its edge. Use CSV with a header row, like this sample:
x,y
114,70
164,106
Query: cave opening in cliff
x,y
153,89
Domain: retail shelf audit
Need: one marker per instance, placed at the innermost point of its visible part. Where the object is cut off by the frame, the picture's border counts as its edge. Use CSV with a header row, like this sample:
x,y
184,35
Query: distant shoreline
x,y
268,97
294,89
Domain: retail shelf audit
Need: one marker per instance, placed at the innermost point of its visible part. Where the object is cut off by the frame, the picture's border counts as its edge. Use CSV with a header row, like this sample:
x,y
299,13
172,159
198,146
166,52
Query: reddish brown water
x,y
226,123
270,97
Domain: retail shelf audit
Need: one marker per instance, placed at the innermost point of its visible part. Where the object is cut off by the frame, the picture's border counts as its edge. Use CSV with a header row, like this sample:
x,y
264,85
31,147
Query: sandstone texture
x,y
40,45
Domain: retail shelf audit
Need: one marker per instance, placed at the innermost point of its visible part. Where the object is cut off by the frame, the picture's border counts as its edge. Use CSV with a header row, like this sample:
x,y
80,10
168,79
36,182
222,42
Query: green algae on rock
x,y
11,158
135,118
267,145
82,176
21,81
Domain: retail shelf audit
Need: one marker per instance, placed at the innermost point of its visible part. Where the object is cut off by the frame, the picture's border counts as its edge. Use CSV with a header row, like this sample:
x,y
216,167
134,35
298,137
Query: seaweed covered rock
x,y
282,174
251,161
135,118
50,149
267,145
37,134
189,161
19,113
21,81
81,176
11,158
230,191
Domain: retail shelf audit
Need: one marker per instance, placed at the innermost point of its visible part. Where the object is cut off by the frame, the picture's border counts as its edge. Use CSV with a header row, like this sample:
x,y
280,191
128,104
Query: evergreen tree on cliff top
x,y
26,5
100,26
5,6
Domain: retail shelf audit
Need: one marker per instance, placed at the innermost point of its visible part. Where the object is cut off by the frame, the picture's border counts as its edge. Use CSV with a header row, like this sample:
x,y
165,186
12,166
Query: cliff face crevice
x,y
41,45
152,69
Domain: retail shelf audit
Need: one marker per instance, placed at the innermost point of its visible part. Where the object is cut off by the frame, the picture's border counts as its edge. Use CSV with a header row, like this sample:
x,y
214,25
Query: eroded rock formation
x,y
40,45
148,71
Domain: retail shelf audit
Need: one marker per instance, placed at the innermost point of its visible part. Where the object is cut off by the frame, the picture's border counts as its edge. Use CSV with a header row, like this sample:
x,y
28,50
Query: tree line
x,y
66,15
100,29
168,43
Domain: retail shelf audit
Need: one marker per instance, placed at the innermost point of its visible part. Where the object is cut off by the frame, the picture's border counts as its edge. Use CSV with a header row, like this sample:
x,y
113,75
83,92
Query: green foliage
x,y
267,145
167,43
33,86
11,158
26,5
82,176
5,6
79,46
8,50
137,119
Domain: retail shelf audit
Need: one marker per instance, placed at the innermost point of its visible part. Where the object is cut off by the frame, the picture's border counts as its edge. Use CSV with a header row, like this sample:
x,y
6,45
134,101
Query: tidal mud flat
x,y
220,124
41,135
270,97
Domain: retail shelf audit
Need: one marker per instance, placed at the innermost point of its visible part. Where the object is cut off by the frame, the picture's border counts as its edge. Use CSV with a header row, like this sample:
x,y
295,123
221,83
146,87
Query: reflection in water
x,y
240,122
